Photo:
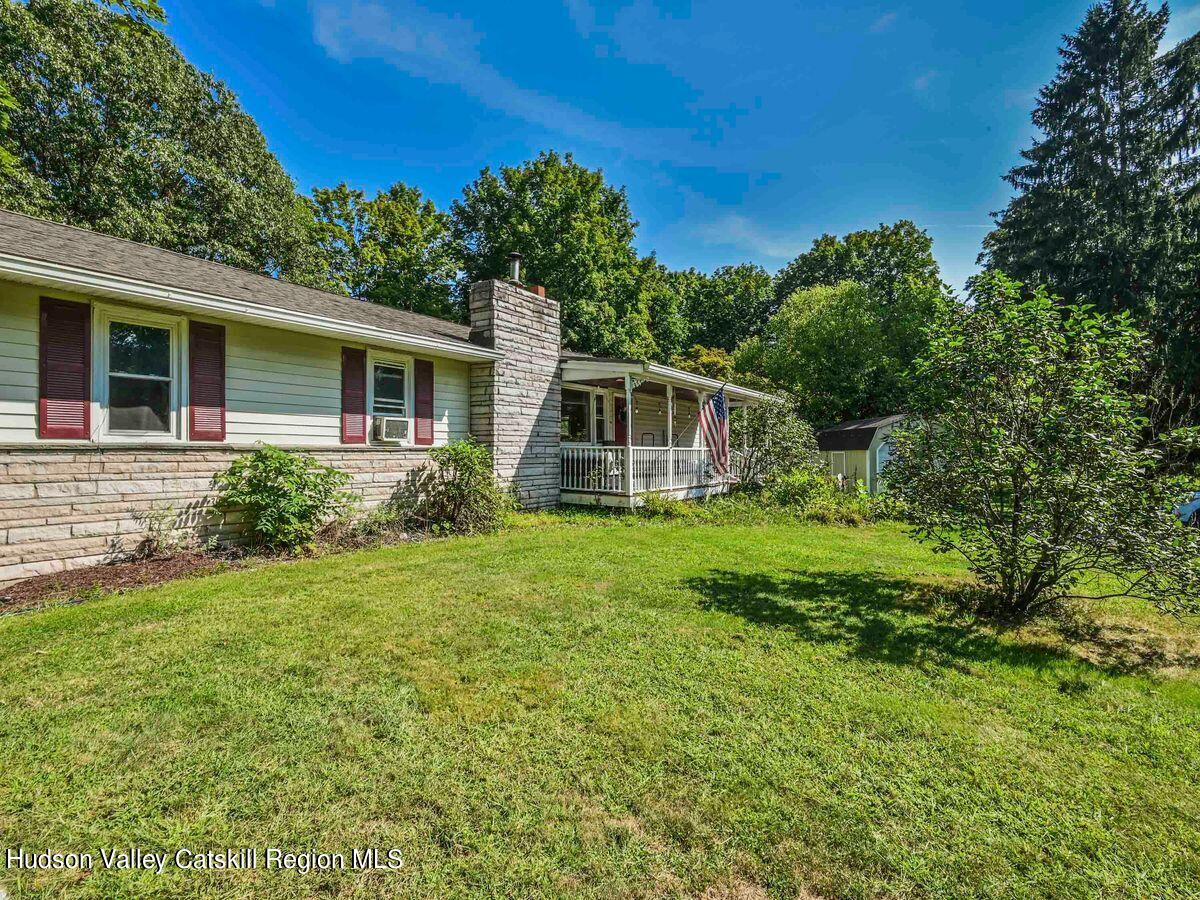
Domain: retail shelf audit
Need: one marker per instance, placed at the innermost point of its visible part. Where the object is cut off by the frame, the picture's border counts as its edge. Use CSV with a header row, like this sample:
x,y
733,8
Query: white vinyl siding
x,y
687,432
281,387
18,363
649,417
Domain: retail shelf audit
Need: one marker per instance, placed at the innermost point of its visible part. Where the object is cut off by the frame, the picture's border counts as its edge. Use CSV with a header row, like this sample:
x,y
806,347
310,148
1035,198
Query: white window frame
x,y
397,361
103,315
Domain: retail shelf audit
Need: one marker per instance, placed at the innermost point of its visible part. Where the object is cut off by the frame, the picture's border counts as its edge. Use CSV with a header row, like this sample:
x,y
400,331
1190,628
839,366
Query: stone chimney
x,y
515,401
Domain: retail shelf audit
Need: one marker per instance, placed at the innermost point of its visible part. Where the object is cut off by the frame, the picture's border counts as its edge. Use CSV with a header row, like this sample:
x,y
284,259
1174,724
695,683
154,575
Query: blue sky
x,y
741,130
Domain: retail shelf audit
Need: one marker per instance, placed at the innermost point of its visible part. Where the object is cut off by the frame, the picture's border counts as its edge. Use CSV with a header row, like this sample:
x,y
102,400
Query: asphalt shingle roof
x,y
855,435
66,245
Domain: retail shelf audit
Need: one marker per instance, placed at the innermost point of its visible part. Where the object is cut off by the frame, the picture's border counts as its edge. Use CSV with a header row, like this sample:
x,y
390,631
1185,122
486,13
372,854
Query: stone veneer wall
x,y
63,507
515,402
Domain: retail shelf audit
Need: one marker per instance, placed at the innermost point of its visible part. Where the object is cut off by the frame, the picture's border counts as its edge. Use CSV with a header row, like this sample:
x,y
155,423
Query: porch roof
x,y
584,367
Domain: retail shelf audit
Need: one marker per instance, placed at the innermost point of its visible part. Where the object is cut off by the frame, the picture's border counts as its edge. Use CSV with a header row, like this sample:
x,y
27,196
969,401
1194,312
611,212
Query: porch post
x,y
629,437
670,435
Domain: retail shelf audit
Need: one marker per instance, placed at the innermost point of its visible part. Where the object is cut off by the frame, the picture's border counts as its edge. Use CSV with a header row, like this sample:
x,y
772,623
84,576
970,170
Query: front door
x,y
620,420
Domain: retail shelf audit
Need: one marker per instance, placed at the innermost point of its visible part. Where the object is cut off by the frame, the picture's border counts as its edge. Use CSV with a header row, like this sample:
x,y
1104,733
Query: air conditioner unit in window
x,y
391,429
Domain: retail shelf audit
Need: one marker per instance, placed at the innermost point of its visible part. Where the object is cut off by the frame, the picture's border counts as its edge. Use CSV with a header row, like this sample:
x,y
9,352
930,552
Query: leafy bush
x,y
1030,456
286,496
459,494
780,442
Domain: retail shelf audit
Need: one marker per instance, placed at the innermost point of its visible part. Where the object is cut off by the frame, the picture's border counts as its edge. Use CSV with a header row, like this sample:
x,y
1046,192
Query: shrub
x,y
162,536
459,494
780,442
286,497
1030,459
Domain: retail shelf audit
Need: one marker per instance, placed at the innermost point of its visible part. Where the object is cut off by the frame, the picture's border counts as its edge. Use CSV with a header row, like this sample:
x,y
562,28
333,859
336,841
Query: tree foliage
x,y
1028,456
395,249
826,347
902,293
780,442
729,306
576,234
881,259
1105,207
711,362
114,130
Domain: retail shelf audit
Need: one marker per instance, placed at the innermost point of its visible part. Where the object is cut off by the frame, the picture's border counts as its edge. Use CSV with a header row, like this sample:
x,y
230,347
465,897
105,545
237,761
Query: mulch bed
x,y
81,584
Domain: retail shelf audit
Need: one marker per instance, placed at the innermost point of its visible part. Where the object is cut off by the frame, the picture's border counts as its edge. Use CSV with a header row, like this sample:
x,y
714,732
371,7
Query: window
x,y
140,378
600,434
390,390
575,416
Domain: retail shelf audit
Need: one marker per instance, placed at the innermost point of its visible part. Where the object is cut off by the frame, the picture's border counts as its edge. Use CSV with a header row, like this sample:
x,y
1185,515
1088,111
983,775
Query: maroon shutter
x,y
64,370
423,389
354,396
206,381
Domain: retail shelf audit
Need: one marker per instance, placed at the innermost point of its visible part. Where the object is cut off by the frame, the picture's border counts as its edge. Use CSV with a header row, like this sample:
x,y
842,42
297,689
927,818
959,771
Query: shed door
x,y
837,463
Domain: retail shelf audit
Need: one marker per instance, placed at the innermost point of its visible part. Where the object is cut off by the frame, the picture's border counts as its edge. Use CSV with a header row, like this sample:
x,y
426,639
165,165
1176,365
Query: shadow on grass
x,y
891,620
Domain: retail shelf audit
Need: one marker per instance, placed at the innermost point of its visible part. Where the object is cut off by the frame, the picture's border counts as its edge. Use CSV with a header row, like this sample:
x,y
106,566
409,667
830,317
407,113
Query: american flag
x,y
714,424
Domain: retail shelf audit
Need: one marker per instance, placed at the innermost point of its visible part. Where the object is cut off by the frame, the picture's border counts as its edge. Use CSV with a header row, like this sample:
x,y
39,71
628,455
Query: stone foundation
x,y
66,507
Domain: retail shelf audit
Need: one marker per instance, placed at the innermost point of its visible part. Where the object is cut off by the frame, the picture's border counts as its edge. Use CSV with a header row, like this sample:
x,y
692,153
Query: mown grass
x,y
763,710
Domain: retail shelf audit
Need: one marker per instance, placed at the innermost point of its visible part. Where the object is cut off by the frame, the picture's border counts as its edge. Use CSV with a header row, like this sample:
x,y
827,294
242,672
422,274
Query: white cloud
x,y
884,22
446,50
736,230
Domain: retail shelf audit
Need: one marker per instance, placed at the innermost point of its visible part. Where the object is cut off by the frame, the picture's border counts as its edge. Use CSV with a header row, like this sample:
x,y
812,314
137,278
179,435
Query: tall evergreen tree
x,y
1100,213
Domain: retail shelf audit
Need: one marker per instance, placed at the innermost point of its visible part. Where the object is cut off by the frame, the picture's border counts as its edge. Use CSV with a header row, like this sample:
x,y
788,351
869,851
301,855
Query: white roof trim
x,y
587,369
118,287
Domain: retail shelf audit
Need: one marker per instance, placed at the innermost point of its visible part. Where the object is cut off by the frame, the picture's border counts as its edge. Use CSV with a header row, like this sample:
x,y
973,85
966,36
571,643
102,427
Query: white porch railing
x,y
589,469
593,469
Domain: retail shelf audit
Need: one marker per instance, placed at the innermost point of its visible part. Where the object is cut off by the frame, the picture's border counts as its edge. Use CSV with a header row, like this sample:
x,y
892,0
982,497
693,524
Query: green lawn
x,y
604,711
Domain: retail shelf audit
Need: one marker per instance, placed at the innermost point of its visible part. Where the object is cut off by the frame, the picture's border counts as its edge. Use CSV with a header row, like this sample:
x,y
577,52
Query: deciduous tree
x,y
576,233
114,130
1028,457
395,249
825,346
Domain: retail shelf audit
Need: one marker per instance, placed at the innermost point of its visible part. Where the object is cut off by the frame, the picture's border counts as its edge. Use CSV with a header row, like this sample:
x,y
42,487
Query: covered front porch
x,y
631,428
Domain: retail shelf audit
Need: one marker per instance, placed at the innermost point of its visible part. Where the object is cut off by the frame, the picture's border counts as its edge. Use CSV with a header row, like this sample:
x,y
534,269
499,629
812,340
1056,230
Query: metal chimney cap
x,y
514,266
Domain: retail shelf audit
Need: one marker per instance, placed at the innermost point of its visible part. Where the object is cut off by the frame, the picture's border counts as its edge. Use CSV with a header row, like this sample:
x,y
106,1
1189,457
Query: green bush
x,y
459,494
286,496
796,489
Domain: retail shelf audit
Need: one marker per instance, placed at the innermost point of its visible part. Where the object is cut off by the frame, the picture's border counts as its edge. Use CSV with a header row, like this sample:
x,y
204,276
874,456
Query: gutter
x,y
116,286
704,381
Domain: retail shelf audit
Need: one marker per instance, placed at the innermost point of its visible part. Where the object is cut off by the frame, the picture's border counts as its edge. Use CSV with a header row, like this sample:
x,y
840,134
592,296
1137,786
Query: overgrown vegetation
x,y
1030,458
459,493
285,497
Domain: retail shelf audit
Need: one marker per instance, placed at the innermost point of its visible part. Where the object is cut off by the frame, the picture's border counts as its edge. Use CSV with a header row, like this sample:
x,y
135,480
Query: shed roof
x,y
855,435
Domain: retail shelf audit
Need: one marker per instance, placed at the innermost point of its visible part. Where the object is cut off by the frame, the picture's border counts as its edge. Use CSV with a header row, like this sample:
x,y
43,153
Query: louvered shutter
x,y
206,381
423,391
354,396
64,369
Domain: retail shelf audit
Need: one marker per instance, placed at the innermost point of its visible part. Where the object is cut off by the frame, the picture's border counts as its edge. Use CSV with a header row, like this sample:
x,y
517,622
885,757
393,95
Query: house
x,y
131,375
858,450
